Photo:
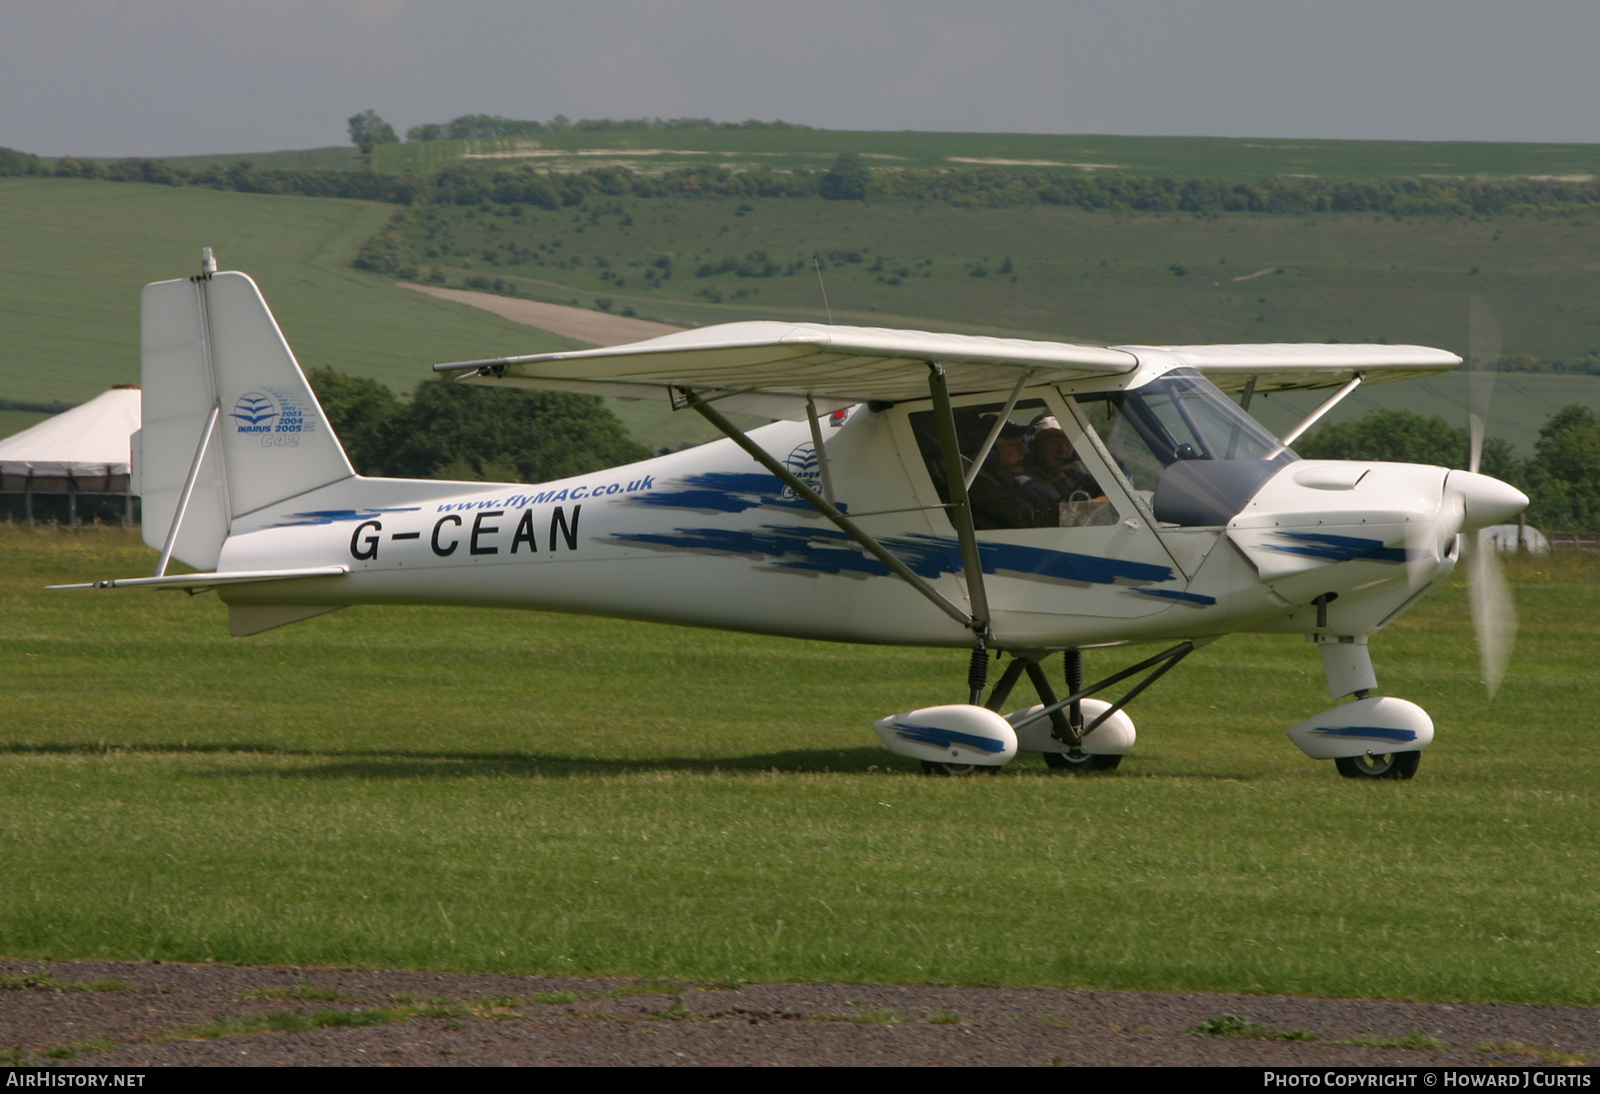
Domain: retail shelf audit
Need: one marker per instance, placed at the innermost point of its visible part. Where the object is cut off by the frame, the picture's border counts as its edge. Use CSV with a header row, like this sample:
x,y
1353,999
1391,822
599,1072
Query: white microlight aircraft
x,y
941,490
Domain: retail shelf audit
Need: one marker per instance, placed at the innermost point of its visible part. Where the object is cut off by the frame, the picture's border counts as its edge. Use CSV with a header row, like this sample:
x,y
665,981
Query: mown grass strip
x,y
299,991
1416,1039
296,1021
46,982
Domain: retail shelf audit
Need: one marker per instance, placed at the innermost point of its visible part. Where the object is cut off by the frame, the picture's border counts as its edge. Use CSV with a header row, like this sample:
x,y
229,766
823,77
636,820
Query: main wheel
x,y
1388,765
1061,761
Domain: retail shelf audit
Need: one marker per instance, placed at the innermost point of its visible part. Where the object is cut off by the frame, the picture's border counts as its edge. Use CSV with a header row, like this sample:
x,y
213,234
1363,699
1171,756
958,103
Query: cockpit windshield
x,y
1187,450
1181,416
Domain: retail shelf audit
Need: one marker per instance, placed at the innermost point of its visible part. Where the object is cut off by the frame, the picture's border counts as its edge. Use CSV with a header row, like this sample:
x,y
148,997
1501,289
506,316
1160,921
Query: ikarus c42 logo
x,y
278,416
254,412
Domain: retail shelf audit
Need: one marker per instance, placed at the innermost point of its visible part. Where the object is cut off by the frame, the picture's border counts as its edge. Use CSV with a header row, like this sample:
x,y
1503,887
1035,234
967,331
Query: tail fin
x,y
225,404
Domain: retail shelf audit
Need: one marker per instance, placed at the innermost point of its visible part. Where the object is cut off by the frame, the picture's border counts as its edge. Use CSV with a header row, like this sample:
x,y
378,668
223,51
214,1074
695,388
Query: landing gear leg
x,y
1074,759
1367,737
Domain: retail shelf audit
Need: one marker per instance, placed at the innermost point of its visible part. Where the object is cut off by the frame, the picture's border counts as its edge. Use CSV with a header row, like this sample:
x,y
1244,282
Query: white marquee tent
x,y
85,450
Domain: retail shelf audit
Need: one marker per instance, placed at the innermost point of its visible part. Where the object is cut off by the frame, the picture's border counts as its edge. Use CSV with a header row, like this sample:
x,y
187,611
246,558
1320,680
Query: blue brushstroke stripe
x,y
724,492
945,738
331,516
1373,733
829,551
1343,548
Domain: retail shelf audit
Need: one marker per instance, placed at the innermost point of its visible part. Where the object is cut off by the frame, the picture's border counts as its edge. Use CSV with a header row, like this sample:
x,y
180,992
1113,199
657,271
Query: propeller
x,y
1494,616
1483,354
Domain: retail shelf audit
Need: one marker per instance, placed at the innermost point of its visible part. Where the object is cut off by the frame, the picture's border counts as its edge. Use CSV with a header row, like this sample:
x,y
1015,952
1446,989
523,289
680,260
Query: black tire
x,y
1061,761
1390,765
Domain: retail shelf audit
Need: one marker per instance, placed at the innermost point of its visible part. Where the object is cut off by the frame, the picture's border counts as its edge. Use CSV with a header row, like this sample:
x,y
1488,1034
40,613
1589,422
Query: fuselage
x,y
708,537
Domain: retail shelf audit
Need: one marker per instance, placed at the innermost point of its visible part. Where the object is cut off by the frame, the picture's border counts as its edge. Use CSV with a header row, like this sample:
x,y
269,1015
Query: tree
x,y
457,431
1564,474
541,435
846,180
1399,436
367,131
365,415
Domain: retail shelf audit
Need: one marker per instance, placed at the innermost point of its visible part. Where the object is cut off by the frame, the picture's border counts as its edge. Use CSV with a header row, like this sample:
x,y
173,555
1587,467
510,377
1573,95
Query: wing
x,y
769,368
1290,367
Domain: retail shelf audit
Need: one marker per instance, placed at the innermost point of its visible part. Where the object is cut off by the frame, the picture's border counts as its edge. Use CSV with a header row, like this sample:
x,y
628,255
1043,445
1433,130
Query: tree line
x,y
849,179
469,126
1562,479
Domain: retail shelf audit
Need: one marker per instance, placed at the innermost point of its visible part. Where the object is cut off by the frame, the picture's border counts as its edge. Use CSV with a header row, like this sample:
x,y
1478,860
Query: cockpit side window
x,y
1032,476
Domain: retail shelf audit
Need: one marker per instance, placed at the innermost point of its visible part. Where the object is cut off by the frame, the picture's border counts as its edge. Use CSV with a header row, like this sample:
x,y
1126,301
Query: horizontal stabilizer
x,y
196,582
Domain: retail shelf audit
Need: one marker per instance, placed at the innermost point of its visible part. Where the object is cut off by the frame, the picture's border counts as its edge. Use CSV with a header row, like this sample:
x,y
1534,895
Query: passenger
x,y
1057,472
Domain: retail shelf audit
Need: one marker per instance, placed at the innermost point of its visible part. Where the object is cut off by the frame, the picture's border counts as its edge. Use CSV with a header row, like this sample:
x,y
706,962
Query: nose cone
x,y
1484,501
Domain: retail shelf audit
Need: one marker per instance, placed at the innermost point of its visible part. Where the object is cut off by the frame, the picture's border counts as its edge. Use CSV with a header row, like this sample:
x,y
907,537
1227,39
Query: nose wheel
x,y
1387,765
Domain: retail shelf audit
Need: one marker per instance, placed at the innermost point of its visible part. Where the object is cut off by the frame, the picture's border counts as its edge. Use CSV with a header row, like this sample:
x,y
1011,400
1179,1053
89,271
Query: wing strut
x,y
960,507
822,453
1311,419
826,508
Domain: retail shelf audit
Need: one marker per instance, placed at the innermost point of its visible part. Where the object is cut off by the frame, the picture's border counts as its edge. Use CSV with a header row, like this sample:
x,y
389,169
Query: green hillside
x,y
1052,271
15,421
1056,273
1242,158
338,157
74,255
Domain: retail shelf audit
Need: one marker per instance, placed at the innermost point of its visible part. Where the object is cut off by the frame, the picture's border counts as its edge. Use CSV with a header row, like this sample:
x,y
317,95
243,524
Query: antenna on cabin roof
x,y
818,264
208,262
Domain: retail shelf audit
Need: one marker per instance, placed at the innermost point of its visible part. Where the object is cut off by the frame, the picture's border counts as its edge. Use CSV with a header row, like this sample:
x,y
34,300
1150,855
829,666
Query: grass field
x,y
501,791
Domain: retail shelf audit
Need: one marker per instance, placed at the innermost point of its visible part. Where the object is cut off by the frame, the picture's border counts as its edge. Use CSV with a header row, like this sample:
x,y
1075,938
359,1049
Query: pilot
x,y
1004,494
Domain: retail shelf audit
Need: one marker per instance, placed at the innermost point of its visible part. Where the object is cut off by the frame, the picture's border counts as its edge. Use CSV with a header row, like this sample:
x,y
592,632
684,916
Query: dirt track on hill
x,y
415,1018
595,327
